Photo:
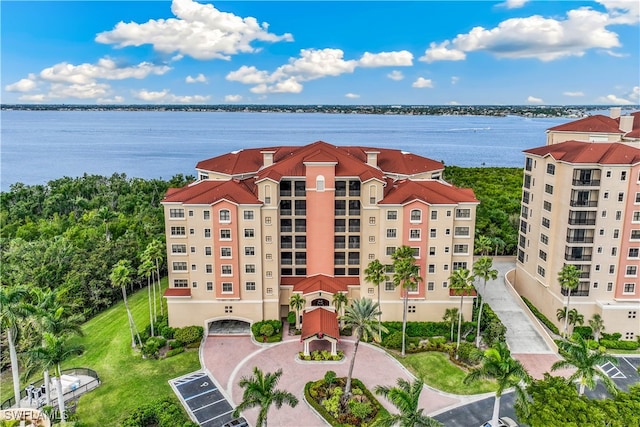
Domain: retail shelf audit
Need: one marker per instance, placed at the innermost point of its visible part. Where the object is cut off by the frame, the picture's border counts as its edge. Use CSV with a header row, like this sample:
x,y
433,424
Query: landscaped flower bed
x,y
322,356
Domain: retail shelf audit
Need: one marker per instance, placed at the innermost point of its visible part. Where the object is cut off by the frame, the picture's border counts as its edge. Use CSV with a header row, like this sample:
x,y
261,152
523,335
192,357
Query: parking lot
x,y
203,399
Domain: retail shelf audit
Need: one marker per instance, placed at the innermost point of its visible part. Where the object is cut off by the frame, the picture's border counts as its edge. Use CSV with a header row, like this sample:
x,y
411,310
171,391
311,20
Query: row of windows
x,y
224,215
225,269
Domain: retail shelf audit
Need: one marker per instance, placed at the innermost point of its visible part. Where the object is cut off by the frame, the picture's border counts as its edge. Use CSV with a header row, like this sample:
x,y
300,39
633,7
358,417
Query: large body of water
x,y
38,146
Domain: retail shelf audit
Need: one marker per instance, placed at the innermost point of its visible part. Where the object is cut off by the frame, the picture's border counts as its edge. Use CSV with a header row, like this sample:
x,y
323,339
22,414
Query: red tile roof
x,y
606,153
177,292
635,132
597,124
320,282
430,191
209,191
320,321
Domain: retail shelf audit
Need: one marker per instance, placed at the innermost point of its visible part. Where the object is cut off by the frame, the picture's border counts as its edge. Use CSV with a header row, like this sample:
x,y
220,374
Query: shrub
x,y
166,331
275,337
291,318
166,412
393,341
620,345
548,323
468,353
174,351
470,338
613,337
175,344
584,331
266,330
360,409
189,334
152,346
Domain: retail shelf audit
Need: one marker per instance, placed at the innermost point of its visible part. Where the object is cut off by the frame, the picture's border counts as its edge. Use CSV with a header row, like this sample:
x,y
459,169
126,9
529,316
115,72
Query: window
x,y
546,206
250,268
388,286
608,174
176,213
544,239
208,268
193,267
432,233
207,250
548,188
390,250
227,287
228,308
267,220
207,232
629,288
614,251
618,215
248,215
268,239
372,220
528,163
392,215
633,253
414,234
179,266
597,267
635,235
551,169
461,231
631,314
416,252
190,213
612,269
609,286
269,274
391,233
605,195
541,271
460,264
545,222
432,251
209,286
636,216
320,183
180,283
460,249
206,215
249,286
632,270
445,284
225,252
249,250
372,239
193,249
637,198
194,284
616,233
434,215
178,249
416,215
225,215
603,214
249,232
463,213
178,231
226,270
225,234
623,176
542,255
269,257
192,231
620,197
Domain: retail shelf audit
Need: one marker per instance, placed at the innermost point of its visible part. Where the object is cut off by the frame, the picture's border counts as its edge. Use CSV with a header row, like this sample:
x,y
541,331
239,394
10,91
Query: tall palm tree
x,y
145,269
575,318
482,268
375,273
586,361
405,397
483,245
54,351
120,277
13,310
361,316
407,275
569,279
497,364
450,315
260,391
597,326
461,282
297,302
340,300
106,215
156,252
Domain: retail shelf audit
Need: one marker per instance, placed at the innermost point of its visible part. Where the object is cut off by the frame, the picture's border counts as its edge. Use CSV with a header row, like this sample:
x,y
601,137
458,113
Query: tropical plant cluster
x,y
544,319
268,331
165,412
321,356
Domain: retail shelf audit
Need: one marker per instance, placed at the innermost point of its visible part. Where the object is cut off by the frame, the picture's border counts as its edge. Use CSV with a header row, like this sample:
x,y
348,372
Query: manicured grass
x,y
437,371
128,381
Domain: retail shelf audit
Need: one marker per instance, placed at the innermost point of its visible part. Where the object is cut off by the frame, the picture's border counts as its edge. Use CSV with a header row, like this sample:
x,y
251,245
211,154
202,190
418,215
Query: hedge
x,y
166,412
620,345
548,323
277,327
189,334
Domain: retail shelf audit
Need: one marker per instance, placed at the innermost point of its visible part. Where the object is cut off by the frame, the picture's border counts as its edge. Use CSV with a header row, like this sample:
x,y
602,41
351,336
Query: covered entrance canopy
x,y
320,324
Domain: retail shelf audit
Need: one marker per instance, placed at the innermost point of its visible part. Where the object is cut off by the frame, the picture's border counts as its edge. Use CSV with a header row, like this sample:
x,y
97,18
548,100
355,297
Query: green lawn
x,y
437,371
128,381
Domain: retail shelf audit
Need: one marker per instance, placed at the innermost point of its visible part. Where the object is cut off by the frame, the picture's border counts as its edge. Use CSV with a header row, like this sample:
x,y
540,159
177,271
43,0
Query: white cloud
x,y
115,100
106,68
573,93
233,98
454,79
248,75
545,39
314,64
290,85
453,103
199,30
534,100
164,96
402,58
614,99
22,85
635,94
514,4
422,83
200,78
352,96
396,75
33,98
90,90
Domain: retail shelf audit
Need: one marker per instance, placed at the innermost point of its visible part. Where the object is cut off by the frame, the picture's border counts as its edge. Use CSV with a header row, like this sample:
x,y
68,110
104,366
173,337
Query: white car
x,y
502,422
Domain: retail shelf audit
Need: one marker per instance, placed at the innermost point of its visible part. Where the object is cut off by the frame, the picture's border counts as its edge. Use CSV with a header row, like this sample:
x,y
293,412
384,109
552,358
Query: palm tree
x,y
407,275
340,300
297,302
50,355
106,215
155,251
450,315
569,278
375,273
260,391
405,397
145,269
120,277
482,268
597,326
13,310
483,245
578,355
497,364
499,244
360,316
575,318
461,283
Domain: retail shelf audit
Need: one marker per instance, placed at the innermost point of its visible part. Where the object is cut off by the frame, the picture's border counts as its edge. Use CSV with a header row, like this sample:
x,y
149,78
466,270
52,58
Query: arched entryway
x,y
229,327
320,302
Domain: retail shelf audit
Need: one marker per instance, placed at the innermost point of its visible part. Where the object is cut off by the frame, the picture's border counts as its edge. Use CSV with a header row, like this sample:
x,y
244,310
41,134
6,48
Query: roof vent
x,y
626,123
372,158
614,112
267,158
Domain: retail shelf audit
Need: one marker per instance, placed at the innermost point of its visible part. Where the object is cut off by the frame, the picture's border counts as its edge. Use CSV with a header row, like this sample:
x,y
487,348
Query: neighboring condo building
x,y
581,206
261,224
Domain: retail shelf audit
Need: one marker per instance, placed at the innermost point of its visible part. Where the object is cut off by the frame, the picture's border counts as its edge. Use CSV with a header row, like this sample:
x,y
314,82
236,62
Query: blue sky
x,y
326,52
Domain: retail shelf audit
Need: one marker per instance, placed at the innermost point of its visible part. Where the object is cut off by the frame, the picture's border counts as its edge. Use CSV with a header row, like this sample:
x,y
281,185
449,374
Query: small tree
x,y
297,302
260,391
569,279
406,275
461,283
405,397
120,277
375,273
597,326
340,301
450,315
482,268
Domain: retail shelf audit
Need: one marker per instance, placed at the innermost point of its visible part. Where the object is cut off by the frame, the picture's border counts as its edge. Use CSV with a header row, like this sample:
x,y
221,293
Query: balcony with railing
x,y
586,182
579,292
583,203
580,239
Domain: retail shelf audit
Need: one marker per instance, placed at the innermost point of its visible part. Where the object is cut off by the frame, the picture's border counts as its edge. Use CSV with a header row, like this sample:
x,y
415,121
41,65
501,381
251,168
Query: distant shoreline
x,y
568,111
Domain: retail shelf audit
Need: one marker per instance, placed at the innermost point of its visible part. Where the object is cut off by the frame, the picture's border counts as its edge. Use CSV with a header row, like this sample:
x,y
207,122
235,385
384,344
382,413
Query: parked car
x,y
238,422
502,422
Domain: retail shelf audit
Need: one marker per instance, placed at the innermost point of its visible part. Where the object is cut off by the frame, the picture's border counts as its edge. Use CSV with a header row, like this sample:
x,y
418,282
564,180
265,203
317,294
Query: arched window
x,y
320,183
267,194
225,215
416,215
